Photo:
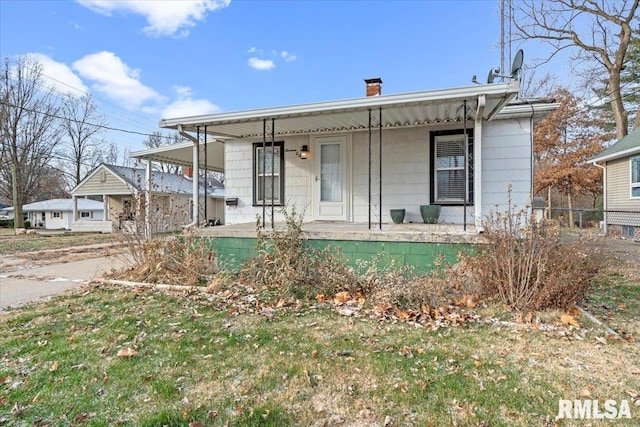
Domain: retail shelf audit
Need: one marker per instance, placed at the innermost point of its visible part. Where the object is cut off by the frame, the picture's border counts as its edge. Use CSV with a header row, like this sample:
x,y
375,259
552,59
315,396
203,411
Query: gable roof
x,y
398,110
162,182
627,146
61,205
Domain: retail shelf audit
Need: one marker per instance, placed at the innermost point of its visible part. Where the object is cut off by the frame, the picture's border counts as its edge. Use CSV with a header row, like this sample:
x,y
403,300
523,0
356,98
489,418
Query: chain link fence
x,y
617,222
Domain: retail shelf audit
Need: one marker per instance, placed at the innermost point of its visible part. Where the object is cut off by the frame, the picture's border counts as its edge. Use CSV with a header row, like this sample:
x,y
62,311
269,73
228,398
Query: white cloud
x,y
261,64
59,75
185,105
164,17
116,80
288,56
252,50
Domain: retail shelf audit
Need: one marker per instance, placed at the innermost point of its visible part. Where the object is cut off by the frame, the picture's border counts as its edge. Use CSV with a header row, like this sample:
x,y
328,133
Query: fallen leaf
x,y
127,352
568,320
341,298
54,366
585,393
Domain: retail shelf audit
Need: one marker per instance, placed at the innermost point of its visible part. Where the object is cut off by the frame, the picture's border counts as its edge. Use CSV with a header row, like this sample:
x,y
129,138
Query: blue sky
x,y
145,60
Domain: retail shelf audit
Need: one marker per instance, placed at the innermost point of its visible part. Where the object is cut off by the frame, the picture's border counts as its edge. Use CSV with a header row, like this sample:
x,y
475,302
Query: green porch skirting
x,y
424,257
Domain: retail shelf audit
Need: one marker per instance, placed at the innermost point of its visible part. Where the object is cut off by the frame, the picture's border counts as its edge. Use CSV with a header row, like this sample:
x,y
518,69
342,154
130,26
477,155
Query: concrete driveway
x,y
23,280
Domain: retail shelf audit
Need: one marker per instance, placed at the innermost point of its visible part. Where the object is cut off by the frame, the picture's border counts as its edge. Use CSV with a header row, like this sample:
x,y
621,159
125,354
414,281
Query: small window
x,y
268,174
85,214
449,168
635,178
56,214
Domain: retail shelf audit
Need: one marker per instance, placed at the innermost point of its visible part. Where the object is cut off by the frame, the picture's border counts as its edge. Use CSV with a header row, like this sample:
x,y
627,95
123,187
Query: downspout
x,y
604,195
477,164
194,187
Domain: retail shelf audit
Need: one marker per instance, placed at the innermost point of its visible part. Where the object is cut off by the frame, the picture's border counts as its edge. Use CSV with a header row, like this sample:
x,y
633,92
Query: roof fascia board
x,y
614,156
507,90
525,110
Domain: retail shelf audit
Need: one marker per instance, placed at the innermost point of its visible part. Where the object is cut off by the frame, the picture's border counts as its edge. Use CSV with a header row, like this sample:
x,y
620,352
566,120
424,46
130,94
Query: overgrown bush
x,y
524,264
182,259
287,263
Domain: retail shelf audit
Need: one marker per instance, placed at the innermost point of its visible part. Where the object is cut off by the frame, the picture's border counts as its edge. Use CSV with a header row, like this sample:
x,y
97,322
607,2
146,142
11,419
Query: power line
x,y
57,116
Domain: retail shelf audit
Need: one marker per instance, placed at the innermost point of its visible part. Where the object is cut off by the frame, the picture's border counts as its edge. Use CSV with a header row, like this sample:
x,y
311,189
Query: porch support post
x,y
369,168
465,173
380,168
196,173
477,164
75,208
105,208
273,171
206,175
264,171
147,207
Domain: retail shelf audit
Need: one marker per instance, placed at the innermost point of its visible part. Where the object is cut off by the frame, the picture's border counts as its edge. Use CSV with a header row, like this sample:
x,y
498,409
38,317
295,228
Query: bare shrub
x,y
524,264
287,263
182,259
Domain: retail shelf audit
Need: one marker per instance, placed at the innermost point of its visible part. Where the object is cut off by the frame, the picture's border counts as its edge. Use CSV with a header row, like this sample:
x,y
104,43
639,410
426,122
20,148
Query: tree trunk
x,y
18,220
620,115
636,122
570,204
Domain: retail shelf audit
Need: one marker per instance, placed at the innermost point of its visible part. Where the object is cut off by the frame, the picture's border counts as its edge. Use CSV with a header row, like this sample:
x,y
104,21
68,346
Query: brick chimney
x,y
374,86
187,171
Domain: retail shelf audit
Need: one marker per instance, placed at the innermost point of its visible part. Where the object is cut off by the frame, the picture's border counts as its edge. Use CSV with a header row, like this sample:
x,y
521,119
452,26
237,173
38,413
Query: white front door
x,y
330,179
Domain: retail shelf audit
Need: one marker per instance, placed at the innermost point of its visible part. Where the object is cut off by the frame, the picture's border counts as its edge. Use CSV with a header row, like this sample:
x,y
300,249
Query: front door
x,y
330,179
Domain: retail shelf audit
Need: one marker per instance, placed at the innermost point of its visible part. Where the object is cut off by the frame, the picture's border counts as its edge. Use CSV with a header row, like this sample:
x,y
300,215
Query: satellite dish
x,y
516,67
492,75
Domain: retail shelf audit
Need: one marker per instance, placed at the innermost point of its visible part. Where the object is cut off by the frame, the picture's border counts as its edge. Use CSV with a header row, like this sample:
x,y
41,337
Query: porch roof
x,y
182,154
399,110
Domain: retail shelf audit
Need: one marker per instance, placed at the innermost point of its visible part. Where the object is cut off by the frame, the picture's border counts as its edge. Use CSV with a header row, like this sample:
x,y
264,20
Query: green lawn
x,y
10,243
233,359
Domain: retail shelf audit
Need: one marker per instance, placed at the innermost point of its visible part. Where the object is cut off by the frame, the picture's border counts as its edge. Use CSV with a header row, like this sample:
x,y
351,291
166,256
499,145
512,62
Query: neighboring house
x,y
621,165
124,190
57,214
4,214
349,162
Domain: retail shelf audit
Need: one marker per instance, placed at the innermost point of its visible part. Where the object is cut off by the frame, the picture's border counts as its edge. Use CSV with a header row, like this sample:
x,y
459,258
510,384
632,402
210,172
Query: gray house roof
x,y
61,205
164,182
627,146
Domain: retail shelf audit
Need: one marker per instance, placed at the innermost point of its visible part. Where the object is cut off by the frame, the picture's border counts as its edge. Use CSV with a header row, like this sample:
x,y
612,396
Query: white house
x,y
346,164
57,214
352,161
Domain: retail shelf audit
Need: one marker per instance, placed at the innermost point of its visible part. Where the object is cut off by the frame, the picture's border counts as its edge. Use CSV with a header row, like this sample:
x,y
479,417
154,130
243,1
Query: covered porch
x,y
372,125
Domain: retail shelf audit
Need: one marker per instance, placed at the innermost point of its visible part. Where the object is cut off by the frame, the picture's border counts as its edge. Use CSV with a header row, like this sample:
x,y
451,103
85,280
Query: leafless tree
x,y
598,32
30,130
82,126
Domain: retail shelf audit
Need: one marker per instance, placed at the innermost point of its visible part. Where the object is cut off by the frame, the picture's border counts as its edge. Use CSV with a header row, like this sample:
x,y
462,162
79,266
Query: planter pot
x,y
430,213
397,215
